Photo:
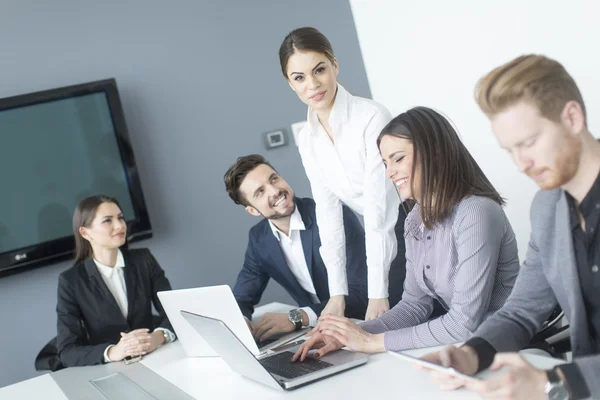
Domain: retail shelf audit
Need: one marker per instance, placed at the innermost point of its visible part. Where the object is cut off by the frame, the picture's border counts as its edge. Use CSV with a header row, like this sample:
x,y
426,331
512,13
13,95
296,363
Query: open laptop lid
x,y
230,348
212,301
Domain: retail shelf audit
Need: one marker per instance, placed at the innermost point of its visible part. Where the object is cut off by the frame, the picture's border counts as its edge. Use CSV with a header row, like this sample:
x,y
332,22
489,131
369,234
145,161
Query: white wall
x,y
432,53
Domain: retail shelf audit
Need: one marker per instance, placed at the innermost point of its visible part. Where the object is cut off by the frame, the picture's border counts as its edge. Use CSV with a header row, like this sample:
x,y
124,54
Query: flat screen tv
x,y
57,147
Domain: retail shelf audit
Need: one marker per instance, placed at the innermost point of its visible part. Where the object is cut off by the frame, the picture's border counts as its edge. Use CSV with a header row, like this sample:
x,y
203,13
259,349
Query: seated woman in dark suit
x,y
105,300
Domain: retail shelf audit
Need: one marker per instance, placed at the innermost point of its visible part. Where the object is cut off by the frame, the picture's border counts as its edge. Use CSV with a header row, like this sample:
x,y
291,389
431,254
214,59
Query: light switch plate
x,y
275,139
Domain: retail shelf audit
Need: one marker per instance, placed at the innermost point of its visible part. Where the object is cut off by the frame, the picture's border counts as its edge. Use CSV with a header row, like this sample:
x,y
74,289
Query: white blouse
x,y
350,170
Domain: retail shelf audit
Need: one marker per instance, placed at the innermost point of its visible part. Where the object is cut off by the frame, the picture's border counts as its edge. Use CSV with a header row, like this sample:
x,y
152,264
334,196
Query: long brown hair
x,y
304,39
84,214
448,171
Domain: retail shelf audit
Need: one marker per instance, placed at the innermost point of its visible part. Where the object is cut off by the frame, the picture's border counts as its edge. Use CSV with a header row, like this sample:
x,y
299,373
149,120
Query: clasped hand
x,y
135,343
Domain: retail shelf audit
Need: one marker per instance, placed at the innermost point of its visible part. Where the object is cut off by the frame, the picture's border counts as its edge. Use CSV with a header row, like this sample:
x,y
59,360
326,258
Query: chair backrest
x,y
48,359
549,329
550,326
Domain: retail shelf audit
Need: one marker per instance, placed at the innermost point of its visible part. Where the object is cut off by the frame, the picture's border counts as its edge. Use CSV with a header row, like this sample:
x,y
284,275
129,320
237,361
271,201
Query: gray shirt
x,y
469,263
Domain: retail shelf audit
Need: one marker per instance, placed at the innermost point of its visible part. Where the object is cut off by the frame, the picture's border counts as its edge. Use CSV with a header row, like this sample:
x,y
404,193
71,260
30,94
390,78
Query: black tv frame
x,y
50,252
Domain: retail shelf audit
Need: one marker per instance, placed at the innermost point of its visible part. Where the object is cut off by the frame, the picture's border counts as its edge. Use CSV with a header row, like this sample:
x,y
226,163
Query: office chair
x,y
48,359
553,338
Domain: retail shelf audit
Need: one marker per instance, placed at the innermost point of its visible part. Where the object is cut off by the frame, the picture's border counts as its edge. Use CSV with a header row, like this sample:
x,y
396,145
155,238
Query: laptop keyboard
x,y
281,364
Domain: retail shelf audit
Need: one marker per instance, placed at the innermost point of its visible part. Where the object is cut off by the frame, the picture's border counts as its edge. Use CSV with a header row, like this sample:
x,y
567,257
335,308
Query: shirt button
x,y
428,237
430,267
595,268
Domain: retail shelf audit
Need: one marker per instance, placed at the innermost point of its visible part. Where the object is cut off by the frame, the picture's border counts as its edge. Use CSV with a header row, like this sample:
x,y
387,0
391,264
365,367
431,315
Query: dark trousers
x,y
398,266
398,269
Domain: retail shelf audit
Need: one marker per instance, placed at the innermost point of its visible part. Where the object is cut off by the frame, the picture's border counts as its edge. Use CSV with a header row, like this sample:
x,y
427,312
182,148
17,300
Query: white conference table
x,y
211,377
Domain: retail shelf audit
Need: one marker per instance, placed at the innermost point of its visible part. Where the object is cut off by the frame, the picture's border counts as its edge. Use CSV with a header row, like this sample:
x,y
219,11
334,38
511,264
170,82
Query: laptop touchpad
x,y
119,387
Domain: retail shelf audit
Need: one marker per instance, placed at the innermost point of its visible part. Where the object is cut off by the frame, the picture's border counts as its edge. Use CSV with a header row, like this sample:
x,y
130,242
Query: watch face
x,y
296,316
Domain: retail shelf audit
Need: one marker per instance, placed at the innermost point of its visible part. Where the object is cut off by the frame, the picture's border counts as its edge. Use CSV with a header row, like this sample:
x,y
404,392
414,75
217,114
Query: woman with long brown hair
x,y
105,300
460,247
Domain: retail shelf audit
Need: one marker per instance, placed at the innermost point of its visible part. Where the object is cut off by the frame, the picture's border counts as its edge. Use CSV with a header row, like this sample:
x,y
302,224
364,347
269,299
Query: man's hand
x,y
520,381
251,326
463,359
273,323
336,306
376,308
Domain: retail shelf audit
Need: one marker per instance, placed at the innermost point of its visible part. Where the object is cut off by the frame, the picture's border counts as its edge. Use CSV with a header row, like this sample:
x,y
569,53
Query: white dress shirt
x,y
350,170
114,278
293,253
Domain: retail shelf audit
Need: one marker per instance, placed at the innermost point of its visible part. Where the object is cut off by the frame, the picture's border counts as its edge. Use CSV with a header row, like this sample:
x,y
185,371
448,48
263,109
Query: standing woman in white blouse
x,y
339,152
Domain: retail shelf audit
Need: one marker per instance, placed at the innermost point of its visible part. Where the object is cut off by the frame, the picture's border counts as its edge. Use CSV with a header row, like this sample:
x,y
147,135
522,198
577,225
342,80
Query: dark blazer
x,y
89,318
264,260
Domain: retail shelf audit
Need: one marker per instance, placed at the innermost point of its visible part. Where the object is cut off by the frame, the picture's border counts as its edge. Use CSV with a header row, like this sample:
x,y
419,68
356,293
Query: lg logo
x,y
20,257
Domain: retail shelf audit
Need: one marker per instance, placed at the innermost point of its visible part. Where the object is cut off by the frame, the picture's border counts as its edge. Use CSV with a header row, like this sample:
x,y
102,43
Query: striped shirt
x,y
469,263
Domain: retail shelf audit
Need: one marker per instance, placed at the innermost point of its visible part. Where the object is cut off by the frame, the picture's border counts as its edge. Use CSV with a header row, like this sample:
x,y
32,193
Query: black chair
x,y
552,338
48,359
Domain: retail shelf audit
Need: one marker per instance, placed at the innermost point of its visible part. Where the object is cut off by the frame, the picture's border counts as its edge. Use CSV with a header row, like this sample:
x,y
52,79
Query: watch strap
x,y
555,386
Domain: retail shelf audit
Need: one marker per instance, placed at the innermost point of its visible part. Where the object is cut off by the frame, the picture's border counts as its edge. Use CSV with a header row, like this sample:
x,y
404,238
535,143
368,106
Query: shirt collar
x,y
573,219
107,271
339,111
591,199
296,224
590,202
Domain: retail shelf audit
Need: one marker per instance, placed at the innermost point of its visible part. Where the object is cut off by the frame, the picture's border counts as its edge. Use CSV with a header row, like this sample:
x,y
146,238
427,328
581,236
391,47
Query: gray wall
x,y
200,83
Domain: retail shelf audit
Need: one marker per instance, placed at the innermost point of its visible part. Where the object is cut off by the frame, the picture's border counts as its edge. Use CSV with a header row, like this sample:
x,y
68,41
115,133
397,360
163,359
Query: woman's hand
x,y
336,305
376,308
324,344
135,343
351,335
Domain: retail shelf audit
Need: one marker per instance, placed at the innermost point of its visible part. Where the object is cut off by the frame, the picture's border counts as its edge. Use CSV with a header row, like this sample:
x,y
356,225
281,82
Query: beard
x,y
278,215
565,166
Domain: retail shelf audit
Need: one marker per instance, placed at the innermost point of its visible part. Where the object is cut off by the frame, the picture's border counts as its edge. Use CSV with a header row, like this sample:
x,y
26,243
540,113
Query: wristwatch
x,y
555,388
295,317
166,336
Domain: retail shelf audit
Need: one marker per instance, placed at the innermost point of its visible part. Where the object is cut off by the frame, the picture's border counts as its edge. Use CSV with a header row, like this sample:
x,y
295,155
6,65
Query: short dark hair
x,y
304,39
84,214
448,170
237,172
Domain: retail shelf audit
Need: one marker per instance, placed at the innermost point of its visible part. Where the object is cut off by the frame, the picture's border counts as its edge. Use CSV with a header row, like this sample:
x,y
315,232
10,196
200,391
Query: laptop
x,y
275,370
216,302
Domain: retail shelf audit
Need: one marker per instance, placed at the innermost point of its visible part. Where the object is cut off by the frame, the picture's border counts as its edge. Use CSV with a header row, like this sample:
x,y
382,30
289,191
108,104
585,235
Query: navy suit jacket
x,y
264,260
